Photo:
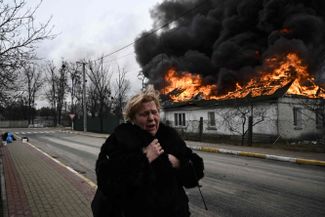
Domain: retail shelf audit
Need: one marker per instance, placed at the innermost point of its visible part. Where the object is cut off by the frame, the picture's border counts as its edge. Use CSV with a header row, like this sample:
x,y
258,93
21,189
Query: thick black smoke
x,y
226,40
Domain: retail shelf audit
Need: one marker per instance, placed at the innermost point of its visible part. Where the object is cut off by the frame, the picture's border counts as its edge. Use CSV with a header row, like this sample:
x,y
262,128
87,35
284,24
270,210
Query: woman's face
x,y
147,117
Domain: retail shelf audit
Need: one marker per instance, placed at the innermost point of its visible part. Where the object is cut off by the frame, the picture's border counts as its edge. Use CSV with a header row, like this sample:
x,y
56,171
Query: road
x,y
233,186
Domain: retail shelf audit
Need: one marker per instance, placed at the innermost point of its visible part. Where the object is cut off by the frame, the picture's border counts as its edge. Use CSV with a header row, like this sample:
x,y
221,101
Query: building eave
x,y
248,100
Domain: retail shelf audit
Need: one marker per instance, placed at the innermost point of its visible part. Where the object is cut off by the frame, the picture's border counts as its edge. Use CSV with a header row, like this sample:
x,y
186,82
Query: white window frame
x,y
297,117
180,119
211,119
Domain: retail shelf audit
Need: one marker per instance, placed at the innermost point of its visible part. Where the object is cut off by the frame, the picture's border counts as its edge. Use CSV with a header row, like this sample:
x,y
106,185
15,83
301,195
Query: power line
x,y
118,58
153,31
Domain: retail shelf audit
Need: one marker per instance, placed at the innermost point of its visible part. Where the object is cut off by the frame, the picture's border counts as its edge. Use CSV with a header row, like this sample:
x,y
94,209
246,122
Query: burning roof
x,y
231,49
288,71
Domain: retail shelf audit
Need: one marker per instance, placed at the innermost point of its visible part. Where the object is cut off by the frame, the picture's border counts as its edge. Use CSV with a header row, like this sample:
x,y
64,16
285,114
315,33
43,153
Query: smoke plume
x,y
225,41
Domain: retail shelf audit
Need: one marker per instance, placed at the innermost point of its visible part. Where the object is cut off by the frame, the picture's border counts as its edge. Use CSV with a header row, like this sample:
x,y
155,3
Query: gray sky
x,y
92,28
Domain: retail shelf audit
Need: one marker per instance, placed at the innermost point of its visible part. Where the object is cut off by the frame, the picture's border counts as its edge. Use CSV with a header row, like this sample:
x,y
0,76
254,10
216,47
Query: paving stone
x,y
36,186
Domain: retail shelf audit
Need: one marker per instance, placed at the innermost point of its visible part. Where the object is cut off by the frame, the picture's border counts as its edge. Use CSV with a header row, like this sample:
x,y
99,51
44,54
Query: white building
x,y
288,117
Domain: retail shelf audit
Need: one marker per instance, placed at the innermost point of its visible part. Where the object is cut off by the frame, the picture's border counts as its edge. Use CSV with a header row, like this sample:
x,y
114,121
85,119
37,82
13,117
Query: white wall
x,y
192,118
278,118
264,119
287,128
227,114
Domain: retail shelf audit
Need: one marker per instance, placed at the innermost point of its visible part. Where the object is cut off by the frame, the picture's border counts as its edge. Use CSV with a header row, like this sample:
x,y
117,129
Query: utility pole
x,y
84,94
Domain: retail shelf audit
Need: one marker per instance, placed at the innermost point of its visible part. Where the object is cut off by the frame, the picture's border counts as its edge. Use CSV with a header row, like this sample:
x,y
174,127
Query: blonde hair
x,y
133,105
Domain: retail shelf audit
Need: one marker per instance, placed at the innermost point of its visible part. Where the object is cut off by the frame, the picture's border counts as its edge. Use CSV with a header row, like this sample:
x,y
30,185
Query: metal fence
x,y
14,124
93,124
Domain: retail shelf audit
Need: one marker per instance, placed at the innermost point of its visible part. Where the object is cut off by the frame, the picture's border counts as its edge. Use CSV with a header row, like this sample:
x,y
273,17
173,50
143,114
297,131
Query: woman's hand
x,y
174,161
153,150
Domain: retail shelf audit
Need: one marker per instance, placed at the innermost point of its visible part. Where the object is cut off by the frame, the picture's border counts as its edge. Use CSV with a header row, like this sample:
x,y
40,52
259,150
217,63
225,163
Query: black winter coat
x,y
134,187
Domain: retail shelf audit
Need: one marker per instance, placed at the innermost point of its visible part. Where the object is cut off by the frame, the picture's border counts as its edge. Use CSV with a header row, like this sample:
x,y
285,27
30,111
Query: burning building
x,y
241,67
285,102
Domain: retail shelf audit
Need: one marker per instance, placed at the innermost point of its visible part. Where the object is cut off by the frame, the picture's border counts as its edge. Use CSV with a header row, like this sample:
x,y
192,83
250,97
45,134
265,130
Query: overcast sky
x,y
91,28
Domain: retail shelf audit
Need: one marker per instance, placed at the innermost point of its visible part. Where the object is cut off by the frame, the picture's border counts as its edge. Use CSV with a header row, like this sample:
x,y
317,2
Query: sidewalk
x,y
37,186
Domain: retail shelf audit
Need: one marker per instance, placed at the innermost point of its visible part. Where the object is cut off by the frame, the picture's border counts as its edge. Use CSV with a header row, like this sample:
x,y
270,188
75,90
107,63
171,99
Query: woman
x,y
144,165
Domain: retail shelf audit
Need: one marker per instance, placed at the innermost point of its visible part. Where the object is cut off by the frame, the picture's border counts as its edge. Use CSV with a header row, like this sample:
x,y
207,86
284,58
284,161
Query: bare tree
x,y
62,87
32,79
75,87
51,92
236,119
57,89
16,109
93,101
100,87
8,78
19,36
121,87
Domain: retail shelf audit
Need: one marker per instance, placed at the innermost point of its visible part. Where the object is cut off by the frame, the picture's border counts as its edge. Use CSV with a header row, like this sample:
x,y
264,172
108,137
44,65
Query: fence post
x,y
201,128
250,131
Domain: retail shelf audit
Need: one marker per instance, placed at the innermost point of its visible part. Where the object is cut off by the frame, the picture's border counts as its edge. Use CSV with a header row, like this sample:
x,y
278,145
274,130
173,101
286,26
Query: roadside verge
x,y
258,155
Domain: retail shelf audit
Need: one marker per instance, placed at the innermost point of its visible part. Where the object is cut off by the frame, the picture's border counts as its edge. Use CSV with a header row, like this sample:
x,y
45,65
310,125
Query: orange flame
x,y
186,86
289,69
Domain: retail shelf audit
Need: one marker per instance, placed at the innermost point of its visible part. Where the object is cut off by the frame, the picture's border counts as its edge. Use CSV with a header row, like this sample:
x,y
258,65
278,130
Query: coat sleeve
x,y
191,164
191,170
118,169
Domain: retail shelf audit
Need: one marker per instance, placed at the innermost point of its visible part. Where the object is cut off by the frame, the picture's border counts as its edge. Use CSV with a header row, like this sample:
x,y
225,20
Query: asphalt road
x,y
232,186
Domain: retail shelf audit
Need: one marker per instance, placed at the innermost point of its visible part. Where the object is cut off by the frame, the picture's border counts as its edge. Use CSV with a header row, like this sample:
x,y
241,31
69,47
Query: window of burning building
x,y
297,117
320,120
211,119
179,119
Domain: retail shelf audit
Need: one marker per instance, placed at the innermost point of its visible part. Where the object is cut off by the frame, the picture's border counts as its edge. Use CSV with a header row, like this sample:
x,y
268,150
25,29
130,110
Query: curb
x,y
88,181
258,155
87,133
